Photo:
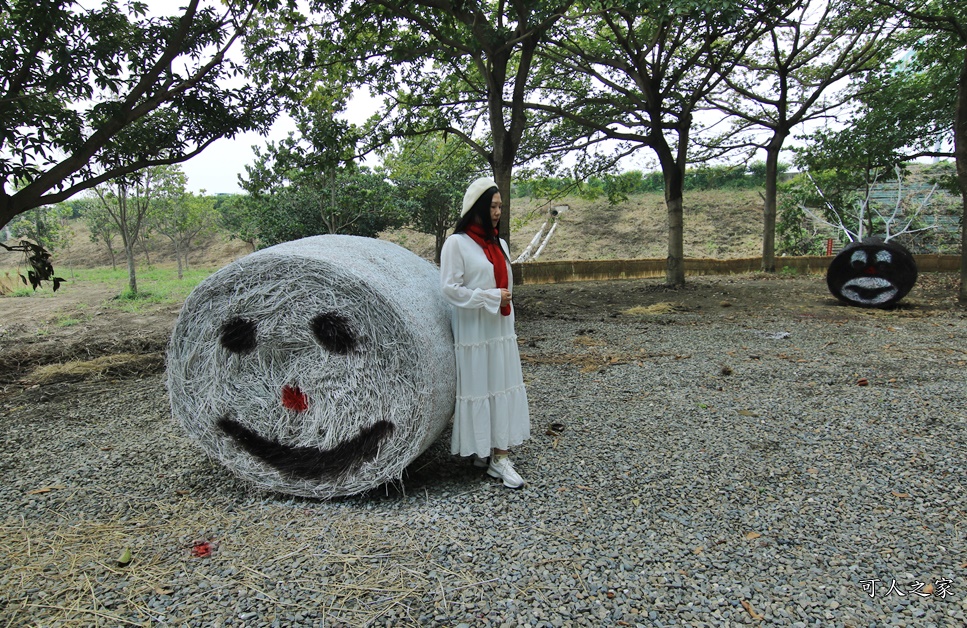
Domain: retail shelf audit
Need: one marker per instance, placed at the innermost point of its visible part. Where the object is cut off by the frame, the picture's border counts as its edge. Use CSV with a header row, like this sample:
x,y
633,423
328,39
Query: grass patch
x,y
134,302
156,286
12,286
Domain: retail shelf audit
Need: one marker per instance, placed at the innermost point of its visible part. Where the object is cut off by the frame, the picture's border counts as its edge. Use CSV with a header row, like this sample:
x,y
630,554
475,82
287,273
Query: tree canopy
x,y
790,77
638,72
430,175
93,95
456,68
90,94
309,183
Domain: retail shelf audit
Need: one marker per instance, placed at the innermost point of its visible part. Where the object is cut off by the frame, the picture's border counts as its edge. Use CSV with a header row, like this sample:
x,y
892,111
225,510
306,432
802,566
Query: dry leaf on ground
x,y
748,607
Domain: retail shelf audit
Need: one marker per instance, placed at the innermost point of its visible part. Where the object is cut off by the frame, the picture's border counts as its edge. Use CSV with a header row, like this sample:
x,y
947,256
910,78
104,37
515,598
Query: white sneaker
x,y
502,468
480,463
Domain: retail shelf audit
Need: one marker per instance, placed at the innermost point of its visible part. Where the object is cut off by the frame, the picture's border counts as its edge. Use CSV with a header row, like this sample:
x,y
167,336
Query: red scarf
x,y
495,254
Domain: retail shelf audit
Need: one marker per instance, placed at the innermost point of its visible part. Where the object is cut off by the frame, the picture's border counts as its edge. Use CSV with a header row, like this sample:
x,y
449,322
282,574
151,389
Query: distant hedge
x,y
742,177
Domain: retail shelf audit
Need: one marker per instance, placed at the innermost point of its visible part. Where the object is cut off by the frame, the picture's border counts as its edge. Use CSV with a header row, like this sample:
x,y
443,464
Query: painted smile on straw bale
x,y
335,334
308,463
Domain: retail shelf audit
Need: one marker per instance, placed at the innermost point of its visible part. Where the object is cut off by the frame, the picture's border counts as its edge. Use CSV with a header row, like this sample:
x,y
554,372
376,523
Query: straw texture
x,y
320,367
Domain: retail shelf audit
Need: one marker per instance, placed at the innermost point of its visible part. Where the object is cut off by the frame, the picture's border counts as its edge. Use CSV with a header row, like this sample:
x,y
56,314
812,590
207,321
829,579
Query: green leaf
x,y
125,558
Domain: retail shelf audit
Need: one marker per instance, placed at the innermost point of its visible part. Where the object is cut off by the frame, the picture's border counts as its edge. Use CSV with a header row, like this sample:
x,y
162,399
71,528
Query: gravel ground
x,y
718,466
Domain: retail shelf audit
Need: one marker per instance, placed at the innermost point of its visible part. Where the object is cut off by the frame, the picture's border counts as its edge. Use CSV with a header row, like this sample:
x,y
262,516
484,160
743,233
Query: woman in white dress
x,y
491,414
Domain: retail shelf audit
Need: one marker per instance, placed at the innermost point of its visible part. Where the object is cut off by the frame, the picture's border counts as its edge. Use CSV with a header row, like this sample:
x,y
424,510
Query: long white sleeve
x,y
464,281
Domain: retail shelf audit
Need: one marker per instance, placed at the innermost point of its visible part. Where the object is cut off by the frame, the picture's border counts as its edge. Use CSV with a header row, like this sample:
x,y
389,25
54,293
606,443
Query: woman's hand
x,y
504,297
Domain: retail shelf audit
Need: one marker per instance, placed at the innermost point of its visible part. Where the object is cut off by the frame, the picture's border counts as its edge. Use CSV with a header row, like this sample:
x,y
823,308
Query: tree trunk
x,y
127,239
144,249
132,276
769,206
186,251
502,174
506,140
441,224
674,177
675,268
438,246
181,274
960,151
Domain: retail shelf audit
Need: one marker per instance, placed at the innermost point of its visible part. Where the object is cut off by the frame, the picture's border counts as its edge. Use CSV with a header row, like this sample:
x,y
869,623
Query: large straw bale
x,y
319,367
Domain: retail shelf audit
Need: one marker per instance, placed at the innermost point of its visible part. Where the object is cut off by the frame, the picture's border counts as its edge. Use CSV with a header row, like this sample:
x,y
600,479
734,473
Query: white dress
x,y
491,407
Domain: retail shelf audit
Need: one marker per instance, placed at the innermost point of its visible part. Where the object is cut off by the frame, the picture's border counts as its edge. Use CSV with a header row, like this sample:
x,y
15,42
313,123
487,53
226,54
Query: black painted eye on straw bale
x,y
238,336
334,333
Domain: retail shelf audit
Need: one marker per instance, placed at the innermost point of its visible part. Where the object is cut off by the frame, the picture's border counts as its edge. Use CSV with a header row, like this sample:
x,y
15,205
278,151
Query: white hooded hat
x,y
476,189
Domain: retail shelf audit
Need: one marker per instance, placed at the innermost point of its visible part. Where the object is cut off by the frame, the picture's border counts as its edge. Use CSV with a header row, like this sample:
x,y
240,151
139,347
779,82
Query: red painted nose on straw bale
x,y
294,399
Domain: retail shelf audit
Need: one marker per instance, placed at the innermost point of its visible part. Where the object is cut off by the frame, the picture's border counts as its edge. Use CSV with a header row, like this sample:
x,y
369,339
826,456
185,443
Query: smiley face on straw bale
x,y
872,273
320,367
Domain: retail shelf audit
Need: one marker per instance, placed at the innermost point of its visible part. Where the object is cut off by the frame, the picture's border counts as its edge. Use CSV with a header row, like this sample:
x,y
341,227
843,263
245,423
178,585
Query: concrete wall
x,y
564,271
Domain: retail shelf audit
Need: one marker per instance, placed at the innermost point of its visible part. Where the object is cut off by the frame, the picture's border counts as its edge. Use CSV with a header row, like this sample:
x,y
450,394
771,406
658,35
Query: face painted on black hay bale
x,y
872,273
321,367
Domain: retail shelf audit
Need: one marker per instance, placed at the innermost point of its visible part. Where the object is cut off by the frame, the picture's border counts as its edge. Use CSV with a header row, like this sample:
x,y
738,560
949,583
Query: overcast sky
x,y
217,168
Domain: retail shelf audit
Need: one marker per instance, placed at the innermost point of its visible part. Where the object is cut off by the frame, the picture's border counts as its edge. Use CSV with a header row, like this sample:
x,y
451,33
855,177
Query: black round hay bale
x,y
872,273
